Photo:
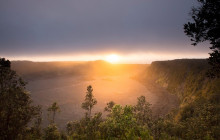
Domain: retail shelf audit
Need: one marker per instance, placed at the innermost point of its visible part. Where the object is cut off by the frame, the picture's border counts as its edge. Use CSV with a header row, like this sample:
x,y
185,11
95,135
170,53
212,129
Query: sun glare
x,y
113,58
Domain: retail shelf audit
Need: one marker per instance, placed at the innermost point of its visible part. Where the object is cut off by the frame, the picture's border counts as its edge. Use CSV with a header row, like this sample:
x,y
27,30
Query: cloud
x,y
76,26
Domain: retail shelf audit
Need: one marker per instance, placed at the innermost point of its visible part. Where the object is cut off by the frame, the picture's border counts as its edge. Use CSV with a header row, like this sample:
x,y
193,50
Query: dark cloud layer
x,y
59,26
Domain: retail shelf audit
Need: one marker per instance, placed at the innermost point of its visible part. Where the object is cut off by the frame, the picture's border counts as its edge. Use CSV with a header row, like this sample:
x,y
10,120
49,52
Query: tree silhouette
x,y
109,106
16,109
5,63
205,26
89,101
53,109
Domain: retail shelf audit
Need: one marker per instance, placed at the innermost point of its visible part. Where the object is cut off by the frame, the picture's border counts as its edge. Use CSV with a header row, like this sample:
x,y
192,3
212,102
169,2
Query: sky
x,y
138,31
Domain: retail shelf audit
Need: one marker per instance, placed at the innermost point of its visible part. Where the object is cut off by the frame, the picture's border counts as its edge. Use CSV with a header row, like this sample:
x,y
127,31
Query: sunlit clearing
x,y
113,58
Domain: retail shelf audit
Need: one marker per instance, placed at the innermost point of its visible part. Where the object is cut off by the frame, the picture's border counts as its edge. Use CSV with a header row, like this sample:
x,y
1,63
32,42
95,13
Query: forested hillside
x,y
198,114
185,78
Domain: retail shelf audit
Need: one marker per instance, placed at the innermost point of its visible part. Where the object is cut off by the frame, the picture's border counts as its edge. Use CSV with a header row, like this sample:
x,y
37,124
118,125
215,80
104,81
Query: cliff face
x,y
185,78
198,114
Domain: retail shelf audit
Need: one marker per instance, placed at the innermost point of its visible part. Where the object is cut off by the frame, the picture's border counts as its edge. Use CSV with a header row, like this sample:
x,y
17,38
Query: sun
x,y
113,58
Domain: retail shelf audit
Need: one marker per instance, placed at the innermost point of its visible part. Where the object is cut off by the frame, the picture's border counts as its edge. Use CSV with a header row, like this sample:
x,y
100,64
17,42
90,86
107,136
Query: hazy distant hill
x,y
36,70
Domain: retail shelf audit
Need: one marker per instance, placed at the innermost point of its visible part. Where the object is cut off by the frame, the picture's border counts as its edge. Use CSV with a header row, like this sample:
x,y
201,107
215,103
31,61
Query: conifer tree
x,y
53,109
89,101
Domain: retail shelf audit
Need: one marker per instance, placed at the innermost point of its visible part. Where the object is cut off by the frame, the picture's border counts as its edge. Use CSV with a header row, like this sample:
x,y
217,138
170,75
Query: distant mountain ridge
x,y
36,70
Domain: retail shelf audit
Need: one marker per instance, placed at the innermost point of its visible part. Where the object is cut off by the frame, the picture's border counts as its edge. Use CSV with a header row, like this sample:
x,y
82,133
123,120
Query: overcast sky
x,y
36,29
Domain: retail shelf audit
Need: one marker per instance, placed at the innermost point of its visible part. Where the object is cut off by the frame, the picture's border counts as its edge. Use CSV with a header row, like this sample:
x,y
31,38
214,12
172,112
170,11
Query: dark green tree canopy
x,y
51,132
205,26
16,109
143,111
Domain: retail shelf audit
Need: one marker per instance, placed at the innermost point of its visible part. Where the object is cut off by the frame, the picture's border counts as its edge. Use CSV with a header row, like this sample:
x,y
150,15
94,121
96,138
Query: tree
x,y
16,109
205,26
89,101
143,112
53,109
109,106
35,131
86,128
121,124
5,63
51,132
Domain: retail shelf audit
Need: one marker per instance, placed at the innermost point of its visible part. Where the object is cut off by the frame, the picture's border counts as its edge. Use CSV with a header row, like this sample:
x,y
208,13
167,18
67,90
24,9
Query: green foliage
x,y
109,106
205,26
63,135
198,114
16,109
53,109
118,123
90,101
51,132
35,131
122,124
143,113
198,120
202,121
86,128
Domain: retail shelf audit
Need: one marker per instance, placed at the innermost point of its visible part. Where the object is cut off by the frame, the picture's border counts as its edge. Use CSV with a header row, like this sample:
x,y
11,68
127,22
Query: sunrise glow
x,y
113,58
